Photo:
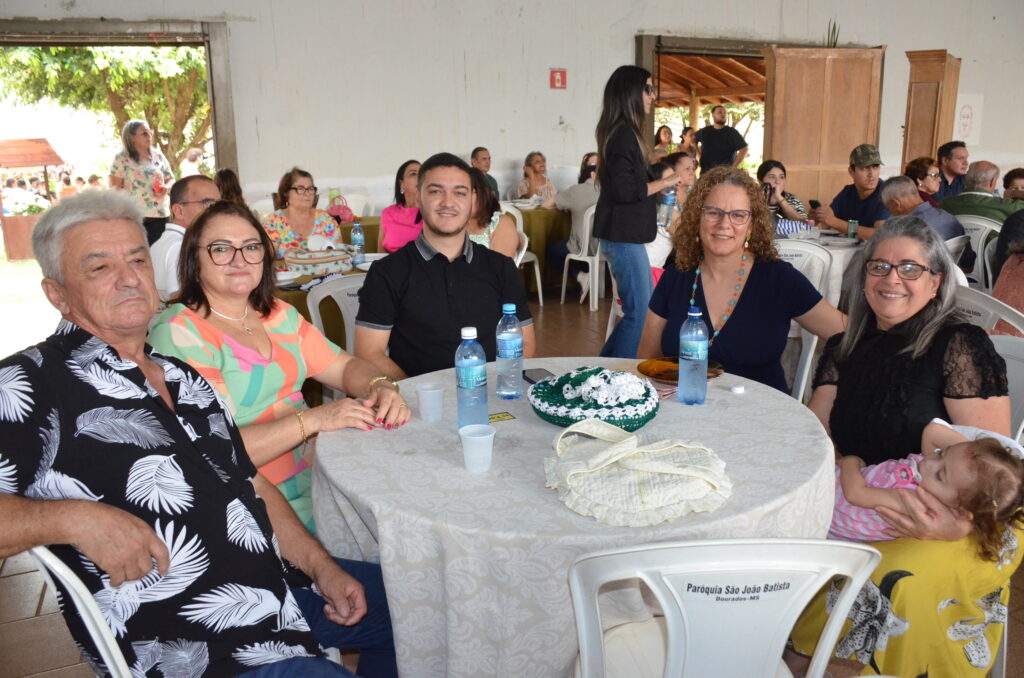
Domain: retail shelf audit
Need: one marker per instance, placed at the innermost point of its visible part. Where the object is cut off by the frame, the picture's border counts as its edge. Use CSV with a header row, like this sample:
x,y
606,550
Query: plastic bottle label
x,y
472,376
511,347
693,350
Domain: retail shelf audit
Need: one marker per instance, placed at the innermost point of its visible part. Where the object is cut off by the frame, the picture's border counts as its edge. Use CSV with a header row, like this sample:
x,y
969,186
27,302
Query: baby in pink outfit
x,y
980,479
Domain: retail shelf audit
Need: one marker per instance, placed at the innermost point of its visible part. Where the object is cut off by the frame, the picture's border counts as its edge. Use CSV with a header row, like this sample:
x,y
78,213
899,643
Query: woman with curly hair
x,y
726,264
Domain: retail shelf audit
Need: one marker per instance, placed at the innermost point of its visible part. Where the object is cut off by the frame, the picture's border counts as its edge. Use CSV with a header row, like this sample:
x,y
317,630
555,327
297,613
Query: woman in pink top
x,y
401,223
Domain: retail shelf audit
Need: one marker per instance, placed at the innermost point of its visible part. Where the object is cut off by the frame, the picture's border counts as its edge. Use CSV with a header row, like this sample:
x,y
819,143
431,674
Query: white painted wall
x,y
349,90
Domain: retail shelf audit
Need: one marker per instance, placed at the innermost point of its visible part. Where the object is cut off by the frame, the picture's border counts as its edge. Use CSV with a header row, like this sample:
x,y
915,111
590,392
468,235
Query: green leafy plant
x,y
832,34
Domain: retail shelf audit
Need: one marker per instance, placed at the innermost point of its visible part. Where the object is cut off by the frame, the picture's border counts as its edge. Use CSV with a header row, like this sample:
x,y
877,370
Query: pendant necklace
x,y
245,314
732,302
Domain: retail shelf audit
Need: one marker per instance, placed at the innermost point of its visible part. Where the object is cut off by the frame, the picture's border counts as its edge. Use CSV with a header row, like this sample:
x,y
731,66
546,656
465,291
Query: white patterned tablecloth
x,y
475,566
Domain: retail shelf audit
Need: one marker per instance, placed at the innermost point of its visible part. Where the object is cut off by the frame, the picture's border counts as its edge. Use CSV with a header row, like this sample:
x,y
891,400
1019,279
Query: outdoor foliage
x,y
165,86
740,116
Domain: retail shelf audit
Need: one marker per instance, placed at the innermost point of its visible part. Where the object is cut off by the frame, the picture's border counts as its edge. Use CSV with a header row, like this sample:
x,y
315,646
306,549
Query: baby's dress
x,y
854,523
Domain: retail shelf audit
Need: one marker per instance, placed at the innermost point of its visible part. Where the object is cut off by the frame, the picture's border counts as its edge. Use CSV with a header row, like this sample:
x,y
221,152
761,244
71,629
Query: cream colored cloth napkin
x,y
619,478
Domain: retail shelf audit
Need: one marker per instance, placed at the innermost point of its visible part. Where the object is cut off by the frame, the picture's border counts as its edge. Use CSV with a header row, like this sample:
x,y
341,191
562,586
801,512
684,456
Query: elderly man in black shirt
x,y
415,300
127,463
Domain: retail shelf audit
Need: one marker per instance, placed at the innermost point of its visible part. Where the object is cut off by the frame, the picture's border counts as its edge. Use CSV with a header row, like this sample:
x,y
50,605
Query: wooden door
x,y
819,105
931,102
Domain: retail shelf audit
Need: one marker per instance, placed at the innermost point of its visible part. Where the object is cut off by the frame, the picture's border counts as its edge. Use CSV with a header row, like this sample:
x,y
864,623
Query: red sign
x,y
557,78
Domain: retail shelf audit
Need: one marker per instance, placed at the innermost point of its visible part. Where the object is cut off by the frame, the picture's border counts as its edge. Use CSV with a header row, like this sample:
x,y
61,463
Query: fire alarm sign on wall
x,y
557,78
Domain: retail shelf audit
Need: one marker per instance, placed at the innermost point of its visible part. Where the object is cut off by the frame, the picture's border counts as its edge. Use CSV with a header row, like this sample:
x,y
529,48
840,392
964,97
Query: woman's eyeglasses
x,y
222,254
302,190
649,90
713,215
906,270
932,175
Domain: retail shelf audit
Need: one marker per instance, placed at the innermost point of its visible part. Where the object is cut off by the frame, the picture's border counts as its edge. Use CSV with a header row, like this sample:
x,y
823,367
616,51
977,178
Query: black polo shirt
x,y
424,300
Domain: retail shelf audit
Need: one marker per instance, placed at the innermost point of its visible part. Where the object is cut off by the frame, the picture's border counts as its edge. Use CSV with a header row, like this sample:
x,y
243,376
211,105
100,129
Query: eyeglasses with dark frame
x,y
907,270
302,190
205,202
223,254
736,217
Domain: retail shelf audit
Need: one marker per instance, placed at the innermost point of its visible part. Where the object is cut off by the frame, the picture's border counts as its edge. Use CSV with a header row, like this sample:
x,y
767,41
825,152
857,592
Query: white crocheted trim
x,y
601,396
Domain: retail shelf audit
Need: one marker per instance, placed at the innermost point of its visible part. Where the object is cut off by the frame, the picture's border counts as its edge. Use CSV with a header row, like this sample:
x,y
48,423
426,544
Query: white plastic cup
x,y
431,399
477,443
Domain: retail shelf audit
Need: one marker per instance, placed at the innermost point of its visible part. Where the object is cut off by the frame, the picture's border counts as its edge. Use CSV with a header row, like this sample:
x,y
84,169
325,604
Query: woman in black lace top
x,y
906,358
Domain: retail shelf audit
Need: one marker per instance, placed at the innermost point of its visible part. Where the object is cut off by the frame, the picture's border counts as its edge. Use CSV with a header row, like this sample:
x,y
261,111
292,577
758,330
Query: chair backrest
x,y
815,262
984,310
524,242
990,261
588,230
1012,350
345,292
517,216
978,228
961,277
729,605
956,246
88,610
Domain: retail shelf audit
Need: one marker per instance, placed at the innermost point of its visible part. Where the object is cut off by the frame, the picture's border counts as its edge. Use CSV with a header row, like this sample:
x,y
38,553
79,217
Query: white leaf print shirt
x,y
79,422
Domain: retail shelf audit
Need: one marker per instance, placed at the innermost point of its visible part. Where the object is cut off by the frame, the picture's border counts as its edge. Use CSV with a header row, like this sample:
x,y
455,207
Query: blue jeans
x,y
371,636
632,272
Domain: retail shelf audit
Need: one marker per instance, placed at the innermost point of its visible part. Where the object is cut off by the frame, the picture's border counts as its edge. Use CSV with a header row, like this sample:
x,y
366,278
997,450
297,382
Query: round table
x,y
475,565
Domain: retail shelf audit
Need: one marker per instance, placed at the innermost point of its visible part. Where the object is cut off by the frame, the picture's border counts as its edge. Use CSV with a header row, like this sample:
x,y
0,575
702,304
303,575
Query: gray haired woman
x,y
908,357
143,172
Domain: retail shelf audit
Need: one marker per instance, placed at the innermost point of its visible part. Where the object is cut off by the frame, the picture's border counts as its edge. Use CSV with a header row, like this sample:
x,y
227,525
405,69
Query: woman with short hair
x,y
296,217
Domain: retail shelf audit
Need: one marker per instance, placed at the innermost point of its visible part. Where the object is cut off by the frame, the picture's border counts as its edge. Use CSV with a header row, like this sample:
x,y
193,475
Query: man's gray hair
x,y
980,174
898,187
94,205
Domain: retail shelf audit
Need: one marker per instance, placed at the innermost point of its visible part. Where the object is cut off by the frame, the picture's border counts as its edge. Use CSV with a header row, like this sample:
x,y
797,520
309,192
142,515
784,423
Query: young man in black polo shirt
x,y
415,301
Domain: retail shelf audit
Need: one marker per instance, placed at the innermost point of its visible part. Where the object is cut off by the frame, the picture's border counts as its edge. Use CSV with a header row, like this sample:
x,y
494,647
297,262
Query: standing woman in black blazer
x,y
627,207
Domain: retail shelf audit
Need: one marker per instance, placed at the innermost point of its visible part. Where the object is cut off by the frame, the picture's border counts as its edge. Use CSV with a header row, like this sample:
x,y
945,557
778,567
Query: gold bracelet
x,y
386,378
302,426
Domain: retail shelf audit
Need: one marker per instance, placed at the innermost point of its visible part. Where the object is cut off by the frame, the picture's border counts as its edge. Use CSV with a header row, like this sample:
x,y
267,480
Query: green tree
x,y
165,86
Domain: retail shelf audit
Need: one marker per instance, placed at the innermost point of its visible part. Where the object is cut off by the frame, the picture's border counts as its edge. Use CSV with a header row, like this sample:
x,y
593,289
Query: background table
x,y
475,566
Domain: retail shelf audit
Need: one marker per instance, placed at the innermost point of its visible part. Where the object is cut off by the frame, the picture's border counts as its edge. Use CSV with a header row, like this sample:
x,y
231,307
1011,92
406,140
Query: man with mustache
x,y
415,301
128,466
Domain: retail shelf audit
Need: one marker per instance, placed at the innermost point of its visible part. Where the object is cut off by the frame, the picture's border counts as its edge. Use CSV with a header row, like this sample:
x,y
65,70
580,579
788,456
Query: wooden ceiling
x,y
713,79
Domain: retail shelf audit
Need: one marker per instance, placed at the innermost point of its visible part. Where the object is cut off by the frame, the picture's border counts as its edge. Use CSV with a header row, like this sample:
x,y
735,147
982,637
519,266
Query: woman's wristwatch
x,y
386,378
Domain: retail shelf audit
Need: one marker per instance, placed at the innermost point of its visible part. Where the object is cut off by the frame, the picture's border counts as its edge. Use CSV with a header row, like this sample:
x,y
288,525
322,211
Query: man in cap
x,y
861,200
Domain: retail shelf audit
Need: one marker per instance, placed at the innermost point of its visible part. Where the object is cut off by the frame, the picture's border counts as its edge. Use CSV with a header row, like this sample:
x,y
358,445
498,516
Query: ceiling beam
x,y
722,74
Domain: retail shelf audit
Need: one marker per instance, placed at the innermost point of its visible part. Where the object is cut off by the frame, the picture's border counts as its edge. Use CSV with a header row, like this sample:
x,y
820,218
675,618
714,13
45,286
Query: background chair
x,y
1012,350
815,262
984,311
990,262
712,630
88,610
345,293
593,262
956,246
979,229
523,255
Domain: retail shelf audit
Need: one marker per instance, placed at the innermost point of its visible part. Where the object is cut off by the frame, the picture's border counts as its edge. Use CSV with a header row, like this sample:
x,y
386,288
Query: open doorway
x,y
689,86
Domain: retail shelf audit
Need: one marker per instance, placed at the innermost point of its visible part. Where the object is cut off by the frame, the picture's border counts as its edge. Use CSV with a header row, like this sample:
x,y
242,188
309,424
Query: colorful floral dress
x,y
284,238
148,181
255,389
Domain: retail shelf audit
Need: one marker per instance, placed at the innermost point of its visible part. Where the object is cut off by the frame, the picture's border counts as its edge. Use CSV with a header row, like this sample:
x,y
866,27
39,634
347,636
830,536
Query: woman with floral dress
x,y
143,171
296,217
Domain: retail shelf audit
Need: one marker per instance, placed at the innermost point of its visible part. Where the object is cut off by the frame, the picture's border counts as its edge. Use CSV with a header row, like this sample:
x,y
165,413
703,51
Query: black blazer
x,y
625,213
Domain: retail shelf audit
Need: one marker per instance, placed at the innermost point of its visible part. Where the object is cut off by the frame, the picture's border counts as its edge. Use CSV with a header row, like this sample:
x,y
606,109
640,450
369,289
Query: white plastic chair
x,y
961,277
985,311
593,262
956,246
110,653
713,630
990,262
345,292
815,262
1012,351
523,255
979,228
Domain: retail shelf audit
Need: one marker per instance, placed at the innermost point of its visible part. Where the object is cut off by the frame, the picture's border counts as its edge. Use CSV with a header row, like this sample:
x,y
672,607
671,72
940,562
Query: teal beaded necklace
x,y
732,302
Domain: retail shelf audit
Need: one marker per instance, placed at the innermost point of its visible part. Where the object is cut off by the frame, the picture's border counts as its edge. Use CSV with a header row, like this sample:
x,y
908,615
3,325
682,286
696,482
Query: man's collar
x,y
428,252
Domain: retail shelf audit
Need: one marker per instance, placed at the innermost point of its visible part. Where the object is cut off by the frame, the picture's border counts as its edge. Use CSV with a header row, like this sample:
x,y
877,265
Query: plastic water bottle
x,y
358,242
510,355
471,379
668,203
693,359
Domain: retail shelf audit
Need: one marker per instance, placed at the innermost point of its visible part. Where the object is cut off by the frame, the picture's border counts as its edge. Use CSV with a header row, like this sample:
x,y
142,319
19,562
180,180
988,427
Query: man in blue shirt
x,y
901,196
953,161
861,200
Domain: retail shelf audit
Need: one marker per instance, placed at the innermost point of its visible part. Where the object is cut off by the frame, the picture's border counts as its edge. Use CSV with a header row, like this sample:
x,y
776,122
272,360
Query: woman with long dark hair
x,y
626,209
400,223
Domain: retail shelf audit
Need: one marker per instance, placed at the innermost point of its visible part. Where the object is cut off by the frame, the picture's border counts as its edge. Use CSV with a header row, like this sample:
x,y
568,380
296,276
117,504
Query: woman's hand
x,y
392,410
925,517
342,413
775,197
